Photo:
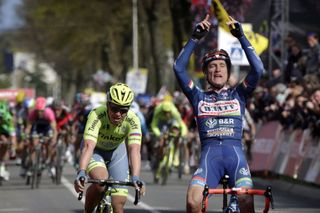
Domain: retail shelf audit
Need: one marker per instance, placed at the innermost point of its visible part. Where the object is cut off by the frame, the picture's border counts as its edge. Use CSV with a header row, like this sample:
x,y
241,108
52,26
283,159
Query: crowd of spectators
x,y
292,96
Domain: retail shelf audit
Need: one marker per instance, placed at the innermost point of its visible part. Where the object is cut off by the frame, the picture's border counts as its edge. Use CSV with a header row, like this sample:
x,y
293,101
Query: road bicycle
x,y
167,156
34,172
60,156
233,205
104,205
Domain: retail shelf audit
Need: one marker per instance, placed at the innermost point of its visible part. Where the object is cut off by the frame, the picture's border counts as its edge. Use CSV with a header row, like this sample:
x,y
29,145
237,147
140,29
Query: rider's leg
x,y
94,191
242,179
118,203
3,148
194,198
3,157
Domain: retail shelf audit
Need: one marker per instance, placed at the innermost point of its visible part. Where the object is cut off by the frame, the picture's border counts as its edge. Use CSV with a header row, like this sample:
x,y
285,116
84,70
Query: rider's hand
x,y
80,180
201,28
12,153
235,28
136,180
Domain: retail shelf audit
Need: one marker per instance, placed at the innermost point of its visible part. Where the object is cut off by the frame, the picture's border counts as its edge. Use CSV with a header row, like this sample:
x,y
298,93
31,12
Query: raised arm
x,y
181,63
255,62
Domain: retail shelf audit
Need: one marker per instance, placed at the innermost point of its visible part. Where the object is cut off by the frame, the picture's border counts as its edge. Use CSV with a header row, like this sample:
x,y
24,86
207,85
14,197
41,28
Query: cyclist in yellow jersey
x,y
104,153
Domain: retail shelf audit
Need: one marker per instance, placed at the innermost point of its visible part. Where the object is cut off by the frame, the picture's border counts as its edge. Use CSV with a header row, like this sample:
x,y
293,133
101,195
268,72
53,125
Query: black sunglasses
x,y
116,109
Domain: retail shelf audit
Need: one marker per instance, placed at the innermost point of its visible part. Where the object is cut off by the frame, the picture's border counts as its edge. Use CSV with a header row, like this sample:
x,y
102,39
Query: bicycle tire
x,y
35,169
165,169
181,159
104,208
28,180
59,163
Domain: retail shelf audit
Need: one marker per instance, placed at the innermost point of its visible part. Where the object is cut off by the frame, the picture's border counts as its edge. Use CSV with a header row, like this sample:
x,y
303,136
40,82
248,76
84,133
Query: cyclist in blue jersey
x,y
219,112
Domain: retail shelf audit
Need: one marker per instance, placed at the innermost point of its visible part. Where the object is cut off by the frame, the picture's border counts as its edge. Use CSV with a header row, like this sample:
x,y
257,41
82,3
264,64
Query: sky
x,y
8,16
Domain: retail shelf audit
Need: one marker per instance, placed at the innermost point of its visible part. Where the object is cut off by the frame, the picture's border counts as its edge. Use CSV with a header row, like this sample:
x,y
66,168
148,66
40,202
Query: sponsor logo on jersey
x,y
220,108
224,95
102,114
226,122
244,171
132,123
111,137
220,132
94,124
211,123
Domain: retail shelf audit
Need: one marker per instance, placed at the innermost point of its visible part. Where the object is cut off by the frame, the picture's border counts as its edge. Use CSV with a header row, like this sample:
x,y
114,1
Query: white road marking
x,y
69,186
14,210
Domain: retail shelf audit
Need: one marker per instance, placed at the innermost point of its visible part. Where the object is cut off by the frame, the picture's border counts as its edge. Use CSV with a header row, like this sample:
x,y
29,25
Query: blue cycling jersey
x,y
219,115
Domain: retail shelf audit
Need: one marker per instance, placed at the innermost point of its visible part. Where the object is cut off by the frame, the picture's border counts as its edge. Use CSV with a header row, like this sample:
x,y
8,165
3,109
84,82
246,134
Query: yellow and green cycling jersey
x,y
159,118
108,136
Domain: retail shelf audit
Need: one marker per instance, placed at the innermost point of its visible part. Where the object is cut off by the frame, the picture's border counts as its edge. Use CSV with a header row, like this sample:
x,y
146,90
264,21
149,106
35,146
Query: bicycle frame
x,y
239,191
105,201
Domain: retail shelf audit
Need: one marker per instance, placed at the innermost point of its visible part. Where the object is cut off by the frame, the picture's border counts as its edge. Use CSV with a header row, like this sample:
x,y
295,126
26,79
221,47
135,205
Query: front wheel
x,y
36,169
59,162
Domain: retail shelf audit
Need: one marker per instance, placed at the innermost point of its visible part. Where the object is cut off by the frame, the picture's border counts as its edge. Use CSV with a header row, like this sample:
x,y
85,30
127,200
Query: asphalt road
x,y
16,197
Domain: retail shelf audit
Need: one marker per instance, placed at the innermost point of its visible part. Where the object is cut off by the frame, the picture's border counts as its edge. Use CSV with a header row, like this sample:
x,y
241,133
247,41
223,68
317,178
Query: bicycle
x,y
35,169
104,205
60,157
233,206
167,155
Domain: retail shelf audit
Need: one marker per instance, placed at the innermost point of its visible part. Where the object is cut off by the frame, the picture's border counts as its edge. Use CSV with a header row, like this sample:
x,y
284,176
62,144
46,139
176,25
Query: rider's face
x,y
217,73
168,115
116,113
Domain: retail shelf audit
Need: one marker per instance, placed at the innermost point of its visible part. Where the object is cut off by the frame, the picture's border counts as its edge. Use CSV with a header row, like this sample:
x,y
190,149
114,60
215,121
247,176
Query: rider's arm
x,y
177,116
134,144
252,79
86,154
90,137
135,159
154,123
30,121
12,132
53,126
180,66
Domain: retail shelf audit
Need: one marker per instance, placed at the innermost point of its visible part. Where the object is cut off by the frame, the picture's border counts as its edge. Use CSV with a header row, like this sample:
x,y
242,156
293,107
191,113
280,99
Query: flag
x,y
221,14
258,41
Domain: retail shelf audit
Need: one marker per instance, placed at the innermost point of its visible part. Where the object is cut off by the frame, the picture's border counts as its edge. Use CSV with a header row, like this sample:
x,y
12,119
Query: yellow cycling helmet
x,y
20,96
120,94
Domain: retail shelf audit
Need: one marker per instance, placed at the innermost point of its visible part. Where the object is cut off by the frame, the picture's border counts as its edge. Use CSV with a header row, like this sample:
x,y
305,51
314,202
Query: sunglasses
x,y
116,109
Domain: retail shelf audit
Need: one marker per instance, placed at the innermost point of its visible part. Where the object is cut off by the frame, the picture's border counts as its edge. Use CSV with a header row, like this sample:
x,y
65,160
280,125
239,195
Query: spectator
x,y
275,78
313,57
294,69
